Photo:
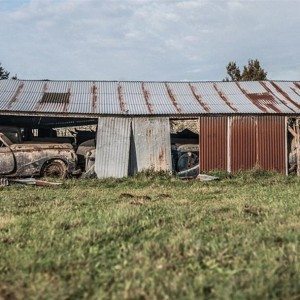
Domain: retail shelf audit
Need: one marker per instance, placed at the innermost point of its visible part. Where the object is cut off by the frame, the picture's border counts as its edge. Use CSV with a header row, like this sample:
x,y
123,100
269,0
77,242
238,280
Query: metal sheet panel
x,y
243,143
272,133
112,150
260,95
136,98
152,144
213,143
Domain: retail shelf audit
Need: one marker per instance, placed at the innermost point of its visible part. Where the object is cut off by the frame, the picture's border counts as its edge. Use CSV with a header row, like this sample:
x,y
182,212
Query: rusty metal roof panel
x,y
135,98
149,98
160,99
283,94
108,98
289,91
29,102
238,99
258,93
211,97
185,96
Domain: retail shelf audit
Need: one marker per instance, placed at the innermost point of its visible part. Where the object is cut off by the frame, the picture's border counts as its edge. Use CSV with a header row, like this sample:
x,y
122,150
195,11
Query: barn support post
x,y
294,129
286,123
229,123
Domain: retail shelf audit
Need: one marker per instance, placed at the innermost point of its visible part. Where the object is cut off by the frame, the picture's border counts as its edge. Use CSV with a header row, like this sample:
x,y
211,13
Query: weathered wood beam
x,y
292,131
298,145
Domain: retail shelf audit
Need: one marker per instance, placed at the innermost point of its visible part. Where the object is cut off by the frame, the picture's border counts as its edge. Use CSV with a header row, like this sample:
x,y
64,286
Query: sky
x,y
167,40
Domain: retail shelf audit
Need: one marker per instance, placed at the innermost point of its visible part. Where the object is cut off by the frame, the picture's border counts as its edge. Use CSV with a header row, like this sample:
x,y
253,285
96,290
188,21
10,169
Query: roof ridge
x,y
149,81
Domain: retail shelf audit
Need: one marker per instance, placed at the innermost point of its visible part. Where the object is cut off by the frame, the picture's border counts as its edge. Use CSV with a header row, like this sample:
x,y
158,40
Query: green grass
x,y
152,237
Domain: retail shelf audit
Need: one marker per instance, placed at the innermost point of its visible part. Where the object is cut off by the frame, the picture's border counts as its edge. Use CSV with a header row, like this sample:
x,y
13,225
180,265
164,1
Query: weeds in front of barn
x,y
152,237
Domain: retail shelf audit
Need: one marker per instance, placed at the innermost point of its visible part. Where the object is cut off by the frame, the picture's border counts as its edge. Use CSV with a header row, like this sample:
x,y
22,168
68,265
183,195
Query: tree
x,y
251,72
3,73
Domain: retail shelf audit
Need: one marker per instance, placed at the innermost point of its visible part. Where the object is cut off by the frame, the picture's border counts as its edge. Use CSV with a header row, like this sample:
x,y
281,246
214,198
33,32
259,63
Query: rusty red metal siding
x,y
213,143
258,142
272,143
243,146
242,143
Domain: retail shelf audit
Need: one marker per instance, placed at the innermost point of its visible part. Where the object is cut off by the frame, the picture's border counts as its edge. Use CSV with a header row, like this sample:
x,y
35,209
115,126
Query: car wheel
x,y
56,169
187,161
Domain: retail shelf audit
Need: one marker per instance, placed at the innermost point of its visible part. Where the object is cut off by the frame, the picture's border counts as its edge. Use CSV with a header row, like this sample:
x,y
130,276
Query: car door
x,y
7,159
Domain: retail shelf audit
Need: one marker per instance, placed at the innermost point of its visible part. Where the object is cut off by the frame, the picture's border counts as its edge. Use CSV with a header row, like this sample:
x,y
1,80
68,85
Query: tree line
x,y
251,72
4,74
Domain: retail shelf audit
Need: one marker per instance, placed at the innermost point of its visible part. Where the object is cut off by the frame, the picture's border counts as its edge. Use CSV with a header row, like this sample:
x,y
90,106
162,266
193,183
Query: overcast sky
x,y
147,39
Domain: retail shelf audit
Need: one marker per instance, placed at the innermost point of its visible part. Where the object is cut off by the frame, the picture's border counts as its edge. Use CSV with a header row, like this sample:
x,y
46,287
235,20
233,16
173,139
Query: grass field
x,y
152,238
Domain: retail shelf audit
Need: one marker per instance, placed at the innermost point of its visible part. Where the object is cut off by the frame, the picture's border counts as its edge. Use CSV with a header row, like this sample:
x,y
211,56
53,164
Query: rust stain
x,y
94,97
261,100
147,98
16,95
224,98
161,158
66,103
149,134
199,98
282,92
173,99
294,90
122,102
38,105
298,86
266,99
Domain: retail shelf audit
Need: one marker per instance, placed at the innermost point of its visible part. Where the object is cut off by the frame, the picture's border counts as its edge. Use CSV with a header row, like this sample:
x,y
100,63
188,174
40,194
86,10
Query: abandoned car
x,y
19,158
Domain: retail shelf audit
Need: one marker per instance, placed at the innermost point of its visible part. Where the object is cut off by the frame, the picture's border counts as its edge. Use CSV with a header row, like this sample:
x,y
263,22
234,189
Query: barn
x,y
241,125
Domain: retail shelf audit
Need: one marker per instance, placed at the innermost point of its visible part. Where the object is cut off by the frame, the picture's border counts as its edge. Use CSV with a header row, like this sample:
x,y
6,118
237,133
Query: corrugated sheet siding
x,y
271,143
152,144
252,141
243,145
112,150
213,143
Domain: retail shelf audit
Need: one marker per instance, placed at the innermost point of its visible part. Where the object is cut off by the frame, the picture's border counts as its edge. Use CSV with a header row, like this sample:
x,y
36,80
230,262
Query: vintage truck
x,y
20,158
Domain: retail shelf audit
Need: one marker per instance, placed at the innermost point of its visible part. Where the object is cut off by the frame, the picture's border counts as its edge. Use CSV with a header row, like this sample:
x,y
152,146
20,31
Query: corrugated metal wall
x,y
126,146
152,144
112,150
241,143
272,152
213,143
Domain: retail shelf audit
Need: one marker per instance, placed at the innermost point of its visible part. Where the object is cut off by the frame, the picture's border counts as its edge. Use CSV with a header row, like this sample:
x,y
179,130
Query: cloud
x,y
148,39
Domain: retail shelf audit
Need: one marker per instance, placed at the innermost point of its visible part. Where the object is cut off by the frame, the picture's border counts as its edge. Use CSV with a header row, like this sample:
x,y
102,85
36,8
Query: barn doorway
x,y
185,147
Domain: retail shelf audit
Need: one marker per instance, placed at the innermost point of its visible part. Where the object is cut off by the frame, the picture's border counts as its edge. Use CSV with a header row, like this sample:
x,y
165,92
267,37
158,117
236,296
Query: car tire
x,y
56,169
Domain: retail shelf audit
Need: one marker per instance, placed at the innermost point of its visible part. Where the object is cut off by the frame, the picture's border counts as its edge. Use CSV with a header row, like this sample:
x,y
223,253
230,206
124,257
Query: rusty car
x,y
19,158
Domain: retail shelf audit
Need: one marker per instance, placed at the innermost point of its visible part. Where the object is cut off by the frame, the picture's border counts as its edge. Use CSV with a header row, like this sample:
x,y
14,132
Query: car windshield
x,y
13,136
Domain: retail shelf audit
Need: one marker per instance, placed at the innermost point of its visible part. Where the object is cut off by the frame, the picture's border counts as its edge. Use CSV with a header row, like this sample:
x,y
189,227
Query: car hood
x,y
41,146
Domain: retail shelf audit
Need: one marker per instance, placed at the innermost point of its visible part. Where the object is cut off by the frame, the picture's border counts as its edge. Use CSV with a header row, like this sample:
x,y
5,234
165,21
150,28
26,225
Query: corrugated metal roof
x,y
136,98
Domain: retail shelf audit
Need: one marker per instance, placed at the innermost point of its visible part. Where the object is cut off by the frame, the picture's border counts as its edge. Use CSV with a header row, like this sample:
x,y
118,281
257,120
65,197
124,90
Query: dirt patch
x,y
126,196
164,196
254,211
